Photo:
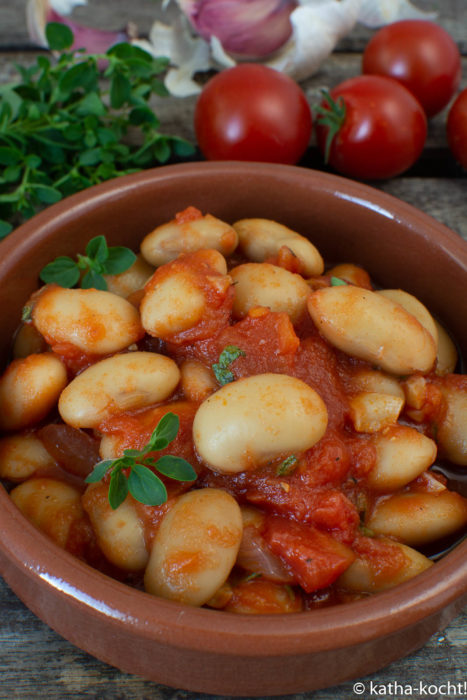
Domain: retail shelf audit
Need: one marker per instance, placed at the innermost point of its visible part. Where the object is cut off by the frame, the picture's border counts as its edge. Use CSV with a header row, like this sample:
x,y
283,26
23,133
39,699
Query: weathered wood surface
x,y
34,661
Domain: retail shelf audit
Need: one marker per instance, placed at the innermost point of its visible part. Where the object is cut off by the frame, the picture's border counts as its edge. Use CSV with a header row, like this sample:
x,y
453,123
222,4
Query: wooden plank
x,y
115,14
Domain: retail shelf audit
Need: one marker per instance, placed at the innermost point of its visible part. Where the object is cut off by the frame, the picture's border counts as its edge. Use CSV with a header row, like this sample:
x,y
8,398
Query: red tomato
x,y
380,132
419,54
252,112
457,128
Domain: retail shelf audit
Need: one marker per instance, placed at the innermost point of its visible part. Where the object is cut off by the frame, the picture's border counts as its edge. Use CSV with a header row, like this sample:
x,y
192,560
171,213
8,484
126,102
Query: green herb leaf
x,y
118,488
146,487
93,280
176,468
143,484
337,282
62,271
165,431
59,36
5,228
99,260
118,260
287,466
221,369
97,249
99,471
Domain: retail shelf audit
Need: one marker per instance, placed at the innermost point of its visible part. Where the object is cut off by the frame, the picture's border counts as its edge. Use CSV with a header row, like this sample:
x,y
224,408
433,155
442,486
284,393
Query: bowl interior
x,y
348,222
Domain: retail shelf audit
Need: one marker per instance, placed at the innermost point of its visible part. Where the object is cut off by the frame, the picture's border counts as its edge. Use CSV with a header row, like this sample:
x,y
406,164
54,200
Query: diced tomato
x,y
267,338
188,214
316,558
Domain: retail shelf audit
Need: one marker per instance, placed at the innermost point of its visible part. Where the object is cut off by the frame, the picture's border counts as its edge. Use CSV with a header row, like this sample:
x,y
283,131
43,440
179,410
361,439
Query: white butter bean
x,y
418,518
168,241
195,547
27,341
371,380
120,383
120,532
197,380
414,307
96,322
373,328
29,389
262,284
452,428
172,306
255,419
131,280
370,412
178,296
351,273
402,454
51,505
365,575
261,239
21,456
447,354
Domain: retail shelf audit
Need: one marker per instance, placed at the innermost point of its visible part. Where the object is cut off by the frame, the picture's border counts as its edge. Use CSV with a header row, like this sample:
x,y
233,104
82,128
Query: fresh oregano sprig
x,y
100,259
66,124
221,369
133,472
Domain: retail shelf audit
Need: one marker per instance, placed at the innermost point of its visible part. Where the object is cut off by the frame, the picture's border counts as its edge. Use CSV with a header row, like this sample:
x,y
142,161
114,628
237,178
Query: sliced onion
x,y
255,556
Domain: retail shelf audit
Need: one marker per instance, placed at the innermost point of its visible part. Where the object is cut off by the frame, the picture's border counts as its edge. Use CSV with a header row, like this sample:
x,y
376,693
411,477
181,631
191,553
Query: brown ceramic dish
x,y
205,650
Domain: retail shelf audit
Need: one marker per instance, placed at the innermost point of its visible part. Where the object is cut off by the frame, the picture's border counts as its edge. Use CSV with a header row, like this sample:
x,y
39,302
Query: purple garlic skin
x,y
247,29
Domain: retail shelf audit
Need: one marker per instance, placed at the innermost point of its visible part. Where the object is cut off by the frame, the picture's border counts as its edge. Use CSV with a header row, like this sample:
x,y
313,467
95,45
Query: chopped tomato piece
x,y
316,558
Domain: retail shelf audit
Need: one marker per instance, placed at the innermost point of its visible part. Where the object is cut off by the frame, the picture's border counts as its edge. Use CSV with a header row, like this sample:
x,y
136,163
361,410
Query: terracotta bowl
x,y
205,650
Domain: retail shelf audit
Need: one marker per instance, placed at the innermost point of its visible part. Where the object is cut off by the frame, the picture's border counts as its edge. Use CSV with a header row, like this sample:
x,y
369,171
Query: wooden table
x,y
34,661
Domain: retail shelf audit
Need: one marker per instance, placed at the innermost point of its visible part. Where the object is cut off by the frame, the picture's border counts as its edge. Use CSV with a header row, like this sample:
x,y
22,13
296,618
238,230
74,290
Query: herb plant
x,y
133,472
221,369
63,126
100,259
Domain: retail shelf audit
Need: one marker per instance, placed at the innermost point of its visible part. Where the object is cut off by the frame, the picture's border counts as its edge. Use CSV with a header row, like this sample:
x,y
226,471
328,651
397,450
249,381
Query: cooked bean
x,y
120,383
261,239
452,427
96,322
370,412
262,284
365,575
51,505
197,380
21,456
414,307
27,341
195,547
120,532
168,241
447,354
178,297
373,328
29,389
351,273
402,454
371,380
173,306
255,419
418,518
131,280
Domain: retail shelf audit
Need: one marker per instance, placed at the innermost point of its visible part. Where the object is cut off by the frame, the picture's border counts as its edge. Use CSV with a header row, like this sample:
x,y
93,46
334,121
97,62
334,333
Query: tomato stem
x,y
331,114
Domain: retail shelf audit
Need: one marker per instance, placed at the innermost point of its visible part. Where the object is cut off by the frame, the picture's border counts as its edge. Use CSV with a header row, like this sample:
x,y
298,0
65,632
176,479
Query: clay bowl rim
x,y
216,631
